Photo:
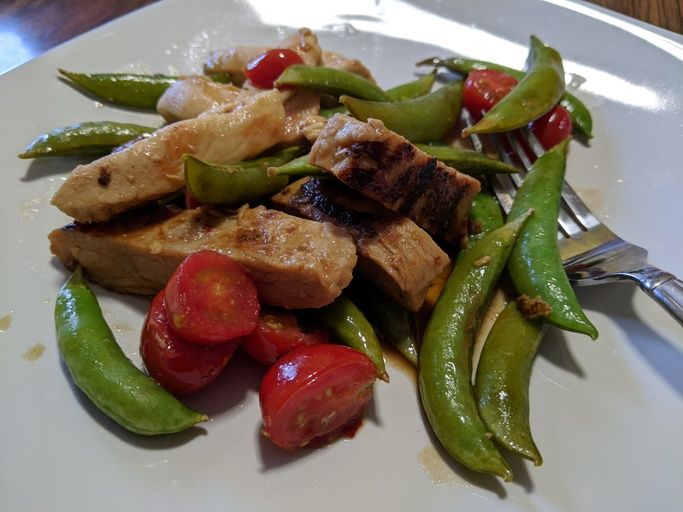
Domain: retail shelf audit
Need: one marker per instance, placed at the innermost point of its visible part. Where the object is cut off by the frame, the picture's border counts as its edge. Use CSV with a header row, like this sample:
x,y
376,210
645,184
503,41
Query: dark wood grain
x,y
29,27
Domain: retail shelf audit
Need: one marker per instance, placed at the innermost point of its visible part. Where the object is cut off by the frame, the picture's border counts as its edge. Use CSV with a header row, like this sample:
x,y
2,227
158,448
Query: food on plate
x,y
88,138
445,369
535,265
102,371
348,325
180,366
265,224
152,168
422,119
210,299
295,263
315,393
502,382
393,252
277,333
387,168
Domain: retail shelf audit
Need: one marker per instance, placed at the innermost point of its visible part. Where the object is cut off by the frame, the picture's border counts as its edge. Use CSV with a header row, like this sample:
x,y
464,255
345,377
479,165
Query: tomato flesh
x,y
276,333
210,299
314,394
179,366
263,70
484,88
553,127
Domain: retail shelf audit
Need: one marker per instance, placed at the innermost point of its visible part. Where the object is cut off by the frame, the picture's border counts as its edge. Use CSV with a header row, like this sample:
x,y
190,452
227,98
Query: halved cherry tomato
x,y
267,67
179,366
276,333
484,88
553,127
314,393
210,299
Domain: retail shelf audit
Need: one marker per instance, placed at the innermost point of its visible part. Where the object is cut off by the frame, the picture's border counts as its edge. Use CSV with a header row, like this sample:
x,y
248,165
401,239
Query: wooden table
x,y
30,27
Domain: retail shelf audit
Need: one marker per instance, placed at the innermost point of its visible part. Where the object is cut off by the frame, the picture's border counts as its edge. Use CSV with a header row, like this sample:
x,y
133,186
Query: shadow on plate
x,y
616,301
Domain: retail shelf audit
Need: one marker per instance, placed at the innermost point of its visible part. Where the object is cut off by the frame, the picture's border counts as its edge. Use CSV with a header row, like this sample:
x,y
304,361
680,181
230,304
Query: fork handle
x,y
665,288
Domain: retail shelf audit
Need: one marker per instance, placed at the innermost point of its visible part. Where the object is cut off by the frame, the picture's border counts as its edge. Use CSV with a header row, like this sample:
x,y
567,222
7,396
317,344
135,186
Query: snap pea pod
x,y
466,160
535,265
581,116
329,112
236,183
445,370
330,81
502,382
414,89
349,326
127,89
424,119
102,371
297,167
396,325
537,92
88,138
485,216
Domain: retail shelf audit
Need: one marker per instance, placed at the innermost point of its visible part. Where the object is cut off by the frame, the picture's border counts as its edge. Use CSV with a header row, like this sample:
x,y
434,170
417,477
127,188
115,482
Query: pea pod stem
x,y
297,167
88,138
536,93
445,371
102,371
535,265
330,81
424,119
502,381
348,325
581,116
236,183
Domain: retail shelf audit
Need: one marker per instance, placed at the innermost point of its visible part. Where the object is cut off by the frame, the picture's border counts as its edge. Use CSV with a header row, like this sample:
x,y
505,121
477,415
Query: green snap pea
x,y
424,119
330,81
535,265
395,324
128,89
329,112
581,116
297,167
485,216
414,89
102,371
445,370
534,95
236,183
466,160
349,325
89,138
502,382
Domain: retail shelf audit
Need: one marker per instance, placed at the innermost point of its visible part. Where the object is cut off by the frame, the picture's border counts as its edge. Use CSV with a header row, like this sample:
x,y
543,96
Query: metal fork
x,y
591,253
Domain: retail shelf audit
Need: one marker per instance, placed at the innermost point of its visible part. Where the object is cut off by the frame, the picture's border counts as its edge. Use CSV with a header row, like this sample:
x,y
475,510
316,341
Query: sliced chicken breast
x,y
386,167
195,95
294,262
152,167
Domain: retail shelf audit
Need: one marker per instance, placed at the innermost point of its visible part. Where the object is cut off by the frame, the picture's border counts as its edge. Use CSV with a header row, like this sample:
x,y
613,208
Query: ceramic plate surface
x,y
607,415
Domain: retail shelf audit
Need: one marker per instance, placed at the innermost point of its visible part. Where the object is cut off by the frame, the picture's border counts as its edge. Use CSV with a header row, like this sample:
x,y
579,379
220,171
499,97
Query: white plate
x,y
608,415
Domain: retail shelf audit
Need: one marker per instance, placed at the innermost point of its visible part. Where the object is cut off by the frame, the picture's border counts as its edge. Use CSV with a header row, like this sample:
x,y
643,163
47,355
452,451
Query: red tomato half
x,y
210,299
553,127
484,88
314,393
277,333
179,366
267,67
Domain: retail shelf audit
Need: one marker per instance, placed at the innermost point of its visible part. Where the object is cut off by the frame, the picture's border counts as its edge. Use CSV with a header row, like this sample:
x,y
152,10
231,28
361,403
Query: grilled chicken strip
x,y
385,167
195,95
393,252
295,263
152,168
